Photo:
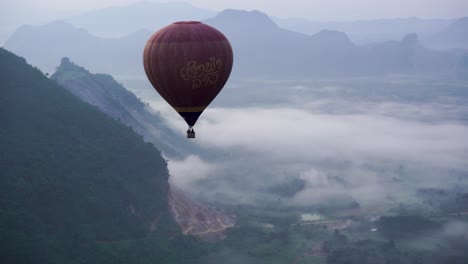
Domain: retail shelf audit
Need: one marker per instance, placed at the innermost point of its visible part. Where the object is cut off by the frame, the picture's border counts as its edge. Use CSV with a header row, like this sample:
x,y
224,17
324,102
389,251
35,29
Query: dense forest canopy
x,y
75,185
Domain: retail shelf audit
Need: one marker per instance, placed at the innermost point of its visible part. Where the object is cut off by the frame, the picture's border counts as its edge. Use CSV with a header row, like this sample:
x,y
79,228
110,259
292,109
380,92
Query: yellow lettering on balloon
x,y
202,74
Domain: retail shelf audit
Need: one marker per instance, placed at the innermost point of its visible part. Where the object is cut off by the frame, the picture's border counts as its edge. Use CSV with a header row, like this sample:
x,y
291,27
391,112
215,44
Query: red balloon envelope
x,y
188,64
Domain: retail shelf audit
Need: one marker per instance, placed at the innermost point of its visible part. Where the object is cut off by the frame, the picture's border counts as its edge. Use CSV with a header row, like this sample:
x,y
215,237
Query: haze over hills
x,y
123,20
369,31
454,36
434,33
117,21
59,39
262,50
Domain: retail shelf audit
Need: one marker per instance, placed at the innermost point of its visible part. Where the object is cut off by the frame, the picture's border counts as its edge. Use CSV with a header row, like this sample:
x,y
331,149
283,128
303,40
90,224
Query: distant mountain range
x,y
454,36
369,31
46,45
261,48
119,21
434,33
122,20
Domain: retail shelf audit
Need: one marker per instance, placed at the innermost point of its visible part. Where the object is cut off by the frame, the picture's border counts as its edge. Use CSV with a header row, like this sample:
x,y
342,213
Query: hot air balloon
x,y
188,63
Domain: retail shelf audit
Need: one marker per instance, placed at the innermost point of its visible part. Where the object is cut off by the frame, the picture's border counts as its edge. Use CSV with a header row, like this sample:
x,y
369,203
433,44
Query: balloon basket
x,y
190,133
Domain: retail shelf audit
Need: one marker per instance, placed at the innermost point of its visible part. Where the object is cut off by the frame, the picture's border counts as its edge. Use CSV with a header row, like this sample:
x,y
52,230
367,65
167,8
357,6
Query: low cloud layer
x,y
189,170
294,133
372,154
375,150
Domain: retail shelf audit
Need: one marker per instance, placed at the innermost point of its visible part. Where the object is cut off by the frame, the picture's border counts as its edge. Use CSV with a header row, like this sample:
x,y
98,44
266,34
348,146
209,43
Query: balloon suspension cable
x,y
190,132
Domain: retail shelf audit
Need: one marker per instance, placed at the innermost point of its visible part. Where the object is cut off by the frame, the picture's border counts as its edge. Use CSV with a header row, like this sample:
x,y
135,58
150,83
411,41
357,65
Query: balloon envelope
x,y
188,63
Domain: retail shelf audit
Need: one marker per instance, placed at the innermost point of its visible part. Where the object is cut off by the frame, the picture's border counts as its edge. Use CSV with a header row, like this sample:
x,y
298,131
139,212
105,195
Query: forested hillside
x,y
75,185
116,101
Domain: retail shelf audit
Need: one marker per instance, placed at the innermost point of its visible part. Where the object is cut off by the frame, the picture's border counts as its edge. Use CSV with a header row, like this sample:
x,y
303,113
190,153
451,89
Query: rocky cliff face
x,y
102,91
196,219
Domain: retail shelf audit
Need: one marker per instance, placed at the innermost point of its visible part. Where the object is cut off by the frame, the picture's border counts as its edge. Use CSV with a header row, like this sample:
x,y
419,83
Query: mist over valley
x,y
332,142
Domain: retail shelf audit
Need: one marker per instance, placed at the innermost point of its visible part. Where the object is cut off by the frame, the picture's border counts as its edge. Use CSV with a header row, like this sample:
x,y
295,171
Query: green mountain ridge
x,y
75,185
116,101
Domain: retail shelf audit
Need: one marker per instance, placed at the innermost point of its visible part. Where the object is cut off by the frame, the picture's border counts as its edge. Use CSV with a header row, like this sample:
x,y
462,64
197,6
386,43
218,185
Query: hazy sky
x,y
312,9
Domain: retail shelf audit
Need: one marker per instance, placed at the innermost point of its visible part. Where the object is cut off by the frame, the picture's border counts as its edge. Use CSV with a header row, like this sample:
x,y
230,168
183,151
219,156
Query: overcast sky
x,y
312,9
